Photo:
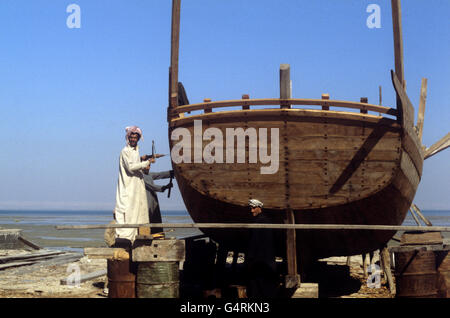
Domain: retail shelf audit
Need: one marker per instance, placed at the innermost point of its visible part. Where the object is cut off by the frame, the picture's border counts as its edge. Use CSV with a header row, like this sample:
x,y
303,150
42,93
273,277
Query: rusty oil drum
x,y
158,280
415,273
121,279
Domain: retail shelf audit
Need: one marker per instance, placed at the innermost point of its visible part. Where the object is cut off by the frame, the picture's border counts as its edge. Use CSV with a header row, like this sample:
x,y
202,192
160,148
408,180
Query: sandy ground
x,y
35,281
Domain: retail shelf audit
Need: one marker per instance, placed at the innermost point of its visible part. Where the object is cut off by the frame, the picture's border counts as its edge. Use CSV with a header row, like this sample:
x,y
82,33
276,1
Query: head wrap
x,y
132,130
255,203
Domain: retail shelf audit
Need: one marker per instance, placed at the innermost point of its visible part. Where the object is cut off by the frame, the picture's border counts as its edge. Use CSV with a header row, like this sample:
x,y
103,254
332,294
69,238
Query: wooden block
x,y
144,230
159,251
307,290
106,252
207,109
425,238
364,100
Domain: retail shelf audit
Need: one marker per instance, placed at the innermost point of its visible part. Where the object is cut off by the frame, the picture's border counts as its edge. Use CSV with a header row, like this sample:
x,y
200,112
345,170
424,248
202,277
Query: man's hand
x,y
167,186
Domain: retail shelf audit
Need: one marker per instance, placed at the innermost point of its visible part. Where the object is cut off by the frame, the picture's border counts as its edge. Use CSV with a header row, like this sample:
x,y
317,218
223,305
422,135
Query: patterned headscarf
x,y
255,203
132,130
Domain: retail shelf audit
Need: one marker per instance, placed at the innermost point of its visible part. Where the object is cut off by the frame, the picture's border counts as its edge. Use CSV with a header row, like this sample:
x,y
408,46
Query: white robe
x,y
131,198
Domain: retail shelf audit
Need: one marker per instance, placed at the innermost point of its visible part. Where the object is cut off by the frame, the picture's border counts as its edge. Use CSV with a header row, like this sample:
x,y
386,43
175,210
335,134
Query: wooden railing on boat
x,y
207,106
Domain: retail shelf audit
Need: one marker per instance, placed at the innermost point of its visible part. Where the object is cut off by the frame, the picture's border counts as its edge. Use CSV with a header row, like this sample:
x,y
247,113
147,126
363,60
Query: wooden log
x,y
285,84
386,262
86,277
421,114
245,106
325,106
28,243
266,226
364,100
159,251
16,264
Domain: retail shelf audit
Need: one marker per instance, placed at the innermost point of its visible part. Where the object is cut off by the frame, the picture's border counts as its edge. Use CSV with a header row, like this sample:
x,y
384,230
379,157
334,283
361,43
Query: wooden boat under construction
x,y
343,162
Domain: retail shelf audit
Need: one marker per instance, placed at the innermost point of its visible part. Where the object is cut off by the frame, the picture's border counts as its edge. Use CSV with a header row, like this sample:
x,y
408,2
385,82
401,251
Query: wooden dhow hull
x,y
334,168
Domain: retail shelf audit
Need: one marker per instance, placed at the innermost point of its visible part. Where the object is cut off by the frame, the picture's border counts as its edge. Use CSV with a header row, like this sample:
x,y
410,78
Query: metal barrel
x,y
121,279
415,273
443,271
157,280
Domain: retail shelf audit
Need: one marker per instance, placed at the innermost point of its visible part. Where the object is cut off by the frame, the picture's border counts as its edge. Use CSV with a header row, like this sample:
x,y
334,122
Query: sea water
x,y
40,226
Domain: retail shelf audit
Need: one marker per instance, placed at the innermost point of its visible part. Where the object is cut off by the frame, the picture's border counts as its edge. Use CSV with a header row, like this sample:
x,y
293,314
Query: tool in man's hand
x,y
153,155
170,185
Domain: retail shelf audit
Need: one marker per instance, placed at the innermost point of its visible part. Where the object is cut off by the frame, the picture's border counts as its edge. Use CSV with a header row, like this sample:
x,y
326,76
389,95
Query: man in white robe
x,y
131,198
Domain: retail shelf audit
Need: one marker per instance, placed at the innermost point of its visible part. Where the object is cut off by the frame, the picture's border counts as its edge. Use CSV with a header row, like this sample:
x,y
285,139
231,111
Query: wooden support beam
x,y
292,277
380,96
245,105
421,114
442,144
364,100
414,216
419,213
326,106
285,84
106,252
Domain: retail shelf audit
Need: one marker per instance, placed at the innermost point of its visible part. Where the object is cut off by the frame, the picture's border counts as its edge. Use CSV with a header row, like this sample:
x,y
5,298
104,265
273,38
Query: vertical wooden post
x,y
285,84
364,100
292,278
245,106
398,44
380,96
421,114
386,262
207,110
326,106
174,53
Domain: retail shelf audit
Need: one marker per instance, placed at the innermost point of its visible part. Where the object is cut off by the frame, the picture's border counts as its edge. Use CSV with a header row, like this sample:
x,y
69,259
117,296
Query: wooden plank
x,y
85,277
405,107
159,251
28,243
285,85
29,256
265,226
421,114
16,264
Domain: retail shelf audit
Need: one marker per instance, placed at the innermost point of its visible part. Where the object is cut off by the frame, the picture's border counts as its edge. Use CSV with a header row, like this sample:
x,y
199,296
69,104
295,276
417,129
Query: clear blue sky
x,y
67,94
